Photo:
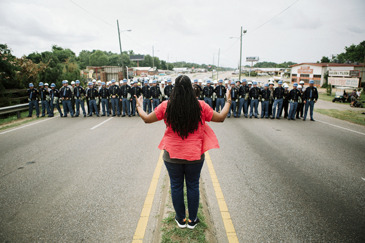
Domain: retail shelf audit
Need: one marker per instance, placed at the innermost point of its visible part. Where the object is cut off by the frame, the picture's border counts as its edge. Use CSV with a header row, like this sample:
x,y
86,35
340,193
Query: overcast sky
x,y
189,30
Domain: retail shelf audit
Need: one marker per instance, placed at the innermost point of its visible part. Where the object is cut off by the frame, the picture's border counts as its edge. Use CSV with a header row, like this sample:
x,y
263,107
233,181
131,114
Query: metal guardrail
x,y
15,108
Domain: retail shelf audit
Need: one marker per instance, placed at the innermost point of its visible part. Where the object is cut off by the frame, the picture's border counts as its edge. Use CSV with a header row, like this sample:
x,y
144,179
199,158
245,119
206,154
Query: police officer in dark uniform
x,y
135,91
168,89
55,95
79,95
32,98
42,96
155,94
278,101
124,93
243,98
114,94
92,94
294,97
310,98
254,97
220,90
146,92
286,100
265,101
65,95
300,103
208,93
104,96
271,100
234,95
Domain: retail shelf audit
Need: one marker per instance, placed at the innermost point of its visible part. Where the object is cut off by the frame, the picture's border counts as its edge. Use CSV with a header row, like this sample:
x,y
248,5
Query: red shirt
x,y
197,143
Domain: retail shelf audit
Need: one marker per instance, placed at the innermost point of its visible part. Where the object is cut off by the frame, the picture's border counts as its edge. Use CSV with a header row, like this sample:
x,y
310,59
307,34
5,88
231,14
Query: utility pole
x,y
219,51
240,54
212,67
120,47
153,58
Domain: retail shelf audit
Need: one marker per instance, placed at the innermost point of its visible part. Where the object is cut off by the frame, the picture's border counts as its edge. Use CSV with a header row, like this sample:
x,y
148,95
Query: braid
x,y
183,112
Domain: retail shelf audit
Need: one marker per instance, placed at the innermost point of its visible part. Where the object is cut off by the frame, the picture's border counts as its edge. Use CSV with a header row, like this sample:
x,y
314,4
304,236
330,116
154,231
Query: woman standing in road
x,y
187,137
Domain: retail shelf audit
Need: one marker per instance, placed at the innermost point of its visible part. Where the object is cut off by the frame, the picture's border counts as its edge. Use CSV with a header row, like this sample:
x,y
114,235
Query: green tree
x,y
170,66
354,53
325,60
83,59
98,58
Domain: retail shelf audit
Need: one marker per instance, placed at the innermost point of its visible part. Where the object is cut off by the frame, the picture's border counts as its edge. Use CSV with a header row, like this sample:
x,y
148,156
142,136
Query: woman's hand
x,y
228,94
139,100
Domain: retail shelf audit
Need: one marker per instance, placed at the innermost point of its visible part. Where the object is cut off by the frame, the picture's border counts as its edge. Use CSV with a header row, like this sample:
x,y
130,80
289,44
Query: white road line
x,y
342,128
102,123
47,119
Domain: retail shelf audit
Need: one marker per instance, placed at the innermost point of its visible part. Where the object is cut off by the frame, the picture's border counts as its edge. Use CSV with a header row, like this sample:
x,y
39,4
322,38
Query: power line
x,y
92,14
273,17
230,46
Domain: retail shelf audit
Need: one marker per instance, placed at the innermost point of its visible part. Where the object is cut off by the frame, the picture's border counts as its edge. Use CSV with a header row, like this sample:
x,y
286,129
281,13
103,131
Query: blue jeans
x,y
57,106
292,110
133,104
35,104
155,103
277,102
67,107
147,103
78,103
126,108
265,108
233,108
220,102
209,101
45,105
309,103
242,104
115,106
104,103
92,105
191,172
254,104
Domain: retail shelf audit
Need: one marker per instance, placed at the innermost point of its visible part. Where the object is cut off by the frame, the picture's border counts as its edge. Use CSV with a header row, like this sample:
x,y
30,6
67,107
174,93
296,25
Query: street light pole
x,y
240,54
219,51
120,46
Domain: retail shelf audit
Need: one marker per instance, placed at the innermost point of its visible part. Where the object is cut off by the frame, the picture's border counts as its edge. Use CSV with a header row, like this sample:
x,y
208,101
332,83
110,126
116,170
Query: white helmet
x,y
299,86
215,82
226,82
162,82
99,82
200,81
72,82
151,81
301,82
94,80
271,82
286,85
249,83
46,84
192,81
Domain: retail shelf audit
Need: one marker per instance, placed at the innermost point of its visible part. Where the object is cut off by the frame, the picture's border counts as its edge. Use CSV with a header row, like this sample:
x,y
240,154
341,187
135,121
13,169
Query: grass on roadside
x,y
171,233
346,115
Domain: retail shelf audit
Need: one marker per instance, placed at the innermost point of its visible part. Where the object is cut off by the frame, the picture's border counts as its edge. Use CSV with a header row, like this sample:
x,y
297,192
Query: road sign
x,y
252,59
136,57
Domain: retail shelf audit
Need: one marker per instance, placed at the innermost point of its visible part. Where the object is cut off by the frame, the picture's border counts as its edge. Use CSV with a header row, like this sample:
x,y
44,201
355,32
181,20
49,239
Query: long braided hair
x,y
183,112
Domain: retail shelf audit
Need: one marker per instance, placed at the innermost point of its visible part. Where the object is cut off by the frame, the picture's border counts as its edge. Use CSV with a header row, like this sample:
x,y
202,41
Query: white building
x,y
316,71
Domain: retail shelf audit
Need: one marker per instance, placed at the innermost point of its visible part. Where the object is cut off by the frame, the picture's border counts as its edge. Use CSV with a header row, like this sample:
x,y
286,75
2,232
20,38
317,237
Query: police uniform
x,y
278,101
254,97
104,96
32,98
65,95
234,96
243,99
146,92
168,90
155,94
310,97
55,96
271,99
208,93
265,102
114,94
43,92
92,94
285,102
135,91
79,95
300,105
220,91
162,96
294,96
124,94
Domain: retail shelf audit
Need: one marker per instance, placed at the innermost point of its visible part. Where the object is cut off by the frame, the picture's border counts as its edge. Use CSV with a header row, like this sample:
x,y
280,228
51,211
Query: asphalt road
x,y
282,180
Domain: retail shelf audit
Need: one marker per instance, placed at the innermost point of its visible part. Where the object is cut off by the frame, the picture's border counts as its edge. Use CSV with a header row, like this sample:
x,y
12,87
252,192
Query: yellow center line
x,y
228,224
145,214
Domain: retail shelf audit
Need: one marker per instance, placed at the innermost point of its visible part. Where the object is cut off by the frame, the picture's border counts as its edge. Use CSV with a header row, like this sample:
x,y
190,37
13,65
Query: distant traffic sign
x,y
136,57
252,59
